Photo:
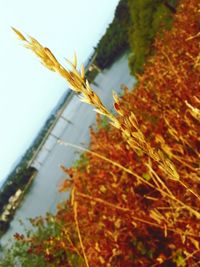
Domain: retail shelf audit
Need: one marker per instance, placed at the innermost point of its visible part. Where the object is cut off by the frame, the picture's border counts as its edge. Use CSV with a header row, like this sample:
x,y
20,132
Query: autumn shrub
x,y
124,209
136,201
46,243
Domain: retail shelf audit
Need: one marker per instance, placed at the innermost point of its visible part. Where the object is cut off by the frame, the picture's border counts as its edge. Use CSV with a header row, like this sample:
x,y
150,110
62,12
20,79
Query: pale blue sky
x,y
28,91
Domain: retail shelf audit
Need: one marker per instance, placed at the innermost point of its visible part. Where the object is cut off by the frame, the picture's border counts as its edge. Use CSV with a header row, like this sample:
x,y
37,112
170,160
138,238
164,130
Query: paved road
x,y
43,195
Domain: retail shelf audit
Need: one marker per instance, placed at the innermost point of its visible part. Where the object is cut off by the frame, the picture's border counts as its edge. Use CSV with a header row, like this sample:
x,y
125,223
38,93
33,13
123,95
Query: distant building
x,y
14,198
10,206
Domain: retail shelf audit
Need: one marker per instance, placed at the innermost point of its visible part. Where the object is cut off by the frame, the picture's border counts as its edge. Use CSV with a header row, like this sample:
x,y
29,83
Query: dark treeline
x,y
21,174
135,24
115,39
21,178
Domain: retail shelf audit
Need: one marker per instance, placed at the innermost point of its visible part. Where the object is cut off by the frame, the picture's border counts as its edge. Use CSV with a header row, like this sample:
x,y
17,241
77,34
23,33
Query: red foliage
x,y
122,220
114,208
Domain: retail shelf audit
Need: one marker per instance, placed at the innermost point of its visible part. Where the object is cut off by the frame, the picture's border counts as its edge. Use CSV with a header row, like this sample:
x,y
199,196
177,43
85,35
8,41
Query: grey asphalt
x,y
43,195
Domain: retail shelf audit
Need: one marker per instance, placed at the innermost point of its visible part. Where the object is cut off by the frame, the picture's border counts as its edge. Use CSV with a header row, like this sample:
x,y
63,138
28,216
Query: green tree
x,y
115,40
149,17
44,245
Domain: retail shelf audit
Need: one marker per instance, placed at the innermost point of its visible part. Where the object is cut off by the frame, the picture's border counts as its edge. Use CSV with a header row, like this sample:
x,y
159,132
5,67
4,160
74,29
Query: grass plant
x,y
136,202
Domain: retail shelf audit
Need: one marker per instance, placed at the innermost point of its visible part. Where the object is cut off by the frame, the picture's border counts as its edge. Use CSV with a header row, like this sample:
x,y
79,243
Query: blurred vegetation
x,y
148,18
46,234
81,162
134,27
115,40
9,200
91,75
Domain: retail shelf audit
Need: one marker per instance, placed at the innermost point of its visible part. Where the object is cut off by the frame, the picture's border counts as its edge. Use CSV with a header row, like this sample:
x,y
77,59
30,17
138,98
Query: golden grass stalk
x,y
195,112
111,205
129,125
75,204
166,193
